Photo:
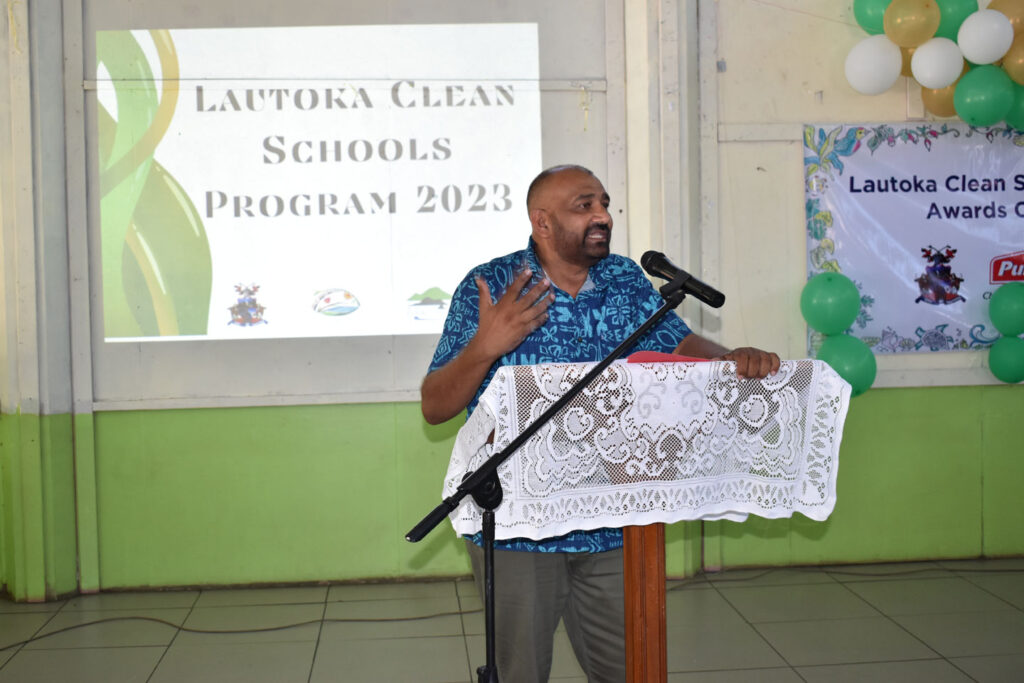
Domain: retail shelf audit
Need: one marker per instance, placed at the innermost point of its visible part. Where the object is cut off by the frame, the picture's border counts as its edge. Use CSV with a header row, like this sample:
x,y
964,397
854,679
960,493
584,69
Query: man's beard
x,y
597,250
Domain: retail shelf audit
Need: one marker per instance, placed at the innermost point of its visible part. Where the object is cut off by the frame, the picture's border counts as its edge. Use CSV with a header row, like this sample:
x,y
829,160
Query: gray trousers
x,y
534,590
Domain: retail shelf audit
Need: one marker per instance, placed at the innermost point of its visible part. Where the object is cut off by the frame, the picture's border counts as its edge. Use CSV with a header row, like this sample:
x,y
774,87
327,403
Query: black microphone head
x,y
648,258
657,265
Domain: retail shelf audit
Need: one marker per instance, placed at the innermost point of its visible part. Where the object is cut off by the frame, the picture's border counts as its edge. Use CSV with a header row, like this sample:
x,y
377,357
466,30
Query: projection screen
x,y
307,181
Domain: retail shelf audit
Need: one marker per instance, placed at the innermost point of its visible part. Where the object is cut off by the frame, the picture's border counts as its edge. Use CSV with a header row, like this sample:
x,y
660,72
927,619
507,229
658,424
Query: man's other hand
x,y
752,363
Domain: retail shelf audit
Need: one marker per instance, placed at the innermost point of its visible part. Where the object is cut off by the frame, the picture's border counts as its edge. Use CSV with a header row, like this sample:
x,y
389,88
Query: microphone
x,y
658,265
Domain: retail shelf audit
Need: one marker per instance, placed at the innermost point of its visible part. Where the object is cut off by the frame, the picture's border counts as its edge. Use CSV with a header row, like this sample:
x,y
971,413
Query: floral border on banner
x,y
823,165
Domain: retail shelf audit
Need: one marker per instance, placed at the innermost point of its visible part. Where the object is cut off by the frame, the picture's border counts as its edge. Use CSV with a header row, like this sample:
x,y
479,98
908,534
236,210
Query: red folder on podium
x,y
659,357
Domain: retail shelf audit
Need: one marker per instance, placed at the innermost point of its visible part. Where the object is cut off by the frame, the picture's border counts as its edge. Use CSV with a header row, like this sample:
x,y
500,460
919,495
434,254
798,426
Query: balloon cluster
x,y
969,62
1006,355
830,302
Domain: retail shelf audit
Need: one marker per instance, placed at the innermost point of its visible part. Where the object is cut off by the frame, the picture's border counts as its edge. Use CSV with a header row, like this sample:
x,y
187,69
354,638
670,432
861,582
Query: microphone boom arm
x,y
676,284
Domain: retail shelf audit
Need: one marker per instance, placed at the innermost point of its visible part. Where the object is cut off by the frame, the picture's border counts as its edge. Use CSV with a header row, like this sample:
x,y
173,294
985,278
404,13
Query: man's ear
x,y
539,220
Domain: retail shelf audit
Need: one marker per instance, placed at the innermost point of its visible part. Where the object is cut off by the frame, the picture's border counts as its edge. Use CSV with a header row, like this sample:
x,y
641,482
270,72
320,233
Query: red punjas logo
x,y
1007,268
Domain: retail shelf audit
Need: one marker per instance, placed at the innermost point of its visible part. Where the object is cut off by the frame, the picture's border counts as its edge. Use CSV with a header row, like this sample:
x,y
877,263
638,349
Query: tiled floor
x,y
934,622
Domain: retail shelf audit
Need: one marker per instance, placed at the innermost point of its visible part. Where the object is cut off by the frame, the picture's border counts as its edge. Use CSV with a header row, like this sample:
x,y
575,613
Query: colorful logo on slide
x,y
939,284
246,311
1007,268
335,301
429,305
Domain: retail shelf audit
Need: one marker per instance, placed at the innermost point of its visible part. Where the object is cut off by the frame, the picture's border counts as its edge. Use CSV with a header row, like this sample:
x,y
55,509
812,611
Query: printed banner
x,y
927,220
308,182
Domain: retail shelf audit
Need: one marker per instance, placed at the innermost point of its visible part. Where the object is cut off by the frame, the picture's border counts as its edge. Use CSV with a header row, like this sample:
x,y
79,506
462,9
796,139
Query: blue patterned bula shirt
x,y
615,300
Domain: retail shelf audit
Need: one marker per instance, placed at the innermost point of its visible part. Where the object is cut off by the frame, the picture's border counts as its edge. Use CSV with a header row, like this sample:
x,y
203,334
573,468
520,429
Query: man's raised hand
x,y
505,324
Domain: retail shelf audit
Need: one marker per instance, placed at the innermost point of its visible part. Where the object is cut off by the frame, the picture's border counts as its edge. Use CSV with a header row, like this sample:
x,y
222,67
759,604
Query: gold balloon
x,y
940,102
1014,11
908,54
1013,60
908,23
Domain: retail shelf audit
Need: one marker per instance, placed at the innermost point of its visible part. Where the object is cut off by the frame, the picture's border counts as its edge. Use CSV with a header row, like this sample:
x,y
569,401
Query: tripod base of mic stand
x,y
488,496
486,674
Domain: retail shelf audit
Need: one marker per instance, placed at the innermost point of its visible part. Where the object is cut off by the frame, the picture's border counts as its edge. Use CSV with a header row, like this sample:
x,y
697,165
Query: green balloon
x,y
1015,117
830,302
1006,359
953,13
852,359
983,96
870,14
1006,309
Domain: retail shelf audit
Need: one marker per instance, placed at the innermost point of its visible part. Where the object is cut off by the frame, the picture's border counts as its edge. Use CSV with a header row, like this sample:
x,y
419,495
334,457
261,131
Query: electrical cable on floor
x,y
718,579
188,629
722,577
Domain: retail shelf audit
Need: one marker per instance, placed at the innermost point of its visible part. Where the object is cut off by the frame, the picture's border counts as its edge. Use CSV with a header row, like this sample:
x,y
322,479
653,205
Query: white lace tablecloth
x,y
654,442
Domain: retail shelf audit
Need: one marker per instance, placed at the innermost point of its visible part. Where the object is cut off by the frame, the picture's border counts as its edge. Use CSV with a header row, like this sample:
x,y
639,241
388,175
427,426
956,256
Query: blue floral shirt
x,y
615,300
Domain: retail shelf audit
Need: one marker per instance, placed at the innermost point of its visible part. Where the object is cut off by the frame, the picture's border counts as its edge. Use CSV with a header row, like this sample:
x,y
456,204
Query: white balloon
x,y
985,36
937,63
873,65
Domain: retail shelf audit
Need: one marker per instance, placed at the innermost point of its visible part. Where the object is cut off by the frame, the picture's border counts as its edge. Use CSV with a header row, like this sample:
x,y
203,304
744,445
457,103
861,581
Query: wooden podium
x,y
644,569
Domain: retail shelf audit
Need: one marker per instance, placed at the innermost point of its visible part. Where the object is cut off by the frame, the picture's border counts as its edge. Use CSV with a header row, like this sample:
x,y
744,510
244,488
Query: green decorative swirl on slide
x,y
157,269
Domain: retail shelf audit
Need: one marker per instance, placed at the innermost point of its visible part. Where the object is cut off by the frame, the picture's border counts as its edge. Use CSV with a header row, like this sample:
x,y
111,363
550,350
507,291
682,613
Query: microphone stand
x,y
485,488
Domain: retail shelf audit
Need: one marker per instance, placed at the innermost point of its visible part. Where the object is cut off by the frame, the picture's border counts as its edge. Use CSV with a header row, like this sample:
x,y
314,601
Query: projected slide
x,y
308,182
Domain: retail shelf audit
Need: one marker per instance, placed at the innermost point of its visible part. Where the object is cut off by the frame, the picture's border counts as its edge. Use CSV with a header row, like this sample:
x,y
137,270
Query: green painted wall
x,y
37,506
313,493
255,495
6,508
923,473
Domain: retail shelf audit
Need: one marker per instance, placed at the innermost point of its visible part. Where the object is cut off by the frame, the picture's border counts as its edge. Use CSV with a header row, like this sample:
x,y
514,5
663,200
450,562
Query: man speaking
x,y
564,298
